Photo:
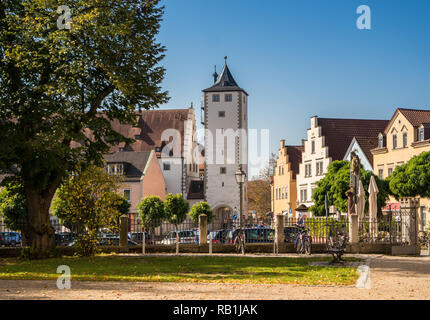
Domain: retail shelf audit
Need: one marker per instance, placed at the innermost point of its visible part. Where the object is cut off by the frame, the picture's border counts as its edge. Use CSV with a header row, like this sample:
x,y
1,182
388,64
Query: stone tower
x,y
226,144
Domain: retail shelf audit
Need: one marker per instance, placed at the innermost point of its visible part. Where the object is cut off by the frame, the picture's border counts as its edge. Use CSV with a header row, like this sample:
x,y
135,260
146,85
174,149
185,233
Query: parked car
x,y
138,236
64,238
254,235
185,236
291,234
10,239
220,236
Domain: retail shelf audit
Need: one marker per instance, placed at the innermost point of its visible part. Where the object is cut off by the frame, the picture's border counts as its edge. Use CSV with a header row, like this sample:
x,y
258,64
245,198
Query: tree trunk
x,y
40,231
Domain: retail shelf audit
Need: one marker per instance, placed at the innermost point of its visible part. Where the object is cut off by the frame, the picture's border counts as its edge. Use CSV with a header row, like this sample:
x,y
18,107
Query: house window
x,y
313,146
303,195
166,166
228,98
115,169
405,139
127,194
381,173
421,134
221,114
381,141
390,171
215,98
394,141
223,170
319,168
308,172
282,170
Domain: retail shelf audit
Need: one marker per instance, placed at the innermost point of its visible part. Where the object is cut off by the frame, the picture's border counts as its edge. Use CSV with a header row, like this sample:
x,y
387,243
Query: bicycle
x,y
239,241
303,242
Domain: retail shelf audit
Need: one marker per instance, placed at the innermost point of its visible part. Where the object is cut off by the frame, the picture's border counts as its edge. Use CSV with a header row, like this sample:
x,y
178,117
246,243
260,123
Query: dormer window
x,y
380,141
421,134
115,169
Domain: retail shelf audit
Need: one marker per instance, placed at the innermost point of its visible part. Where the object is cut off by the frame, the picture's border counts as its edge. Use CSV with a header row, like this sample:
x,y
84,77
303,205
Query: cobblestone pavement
x,y
390,277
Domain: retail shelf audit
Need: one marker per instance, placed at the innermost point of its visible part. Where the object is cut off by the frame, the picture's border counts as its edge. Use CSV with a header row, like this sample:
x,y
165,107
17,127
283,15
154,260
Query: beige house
x,y
330,139
142,176
406,135
284,189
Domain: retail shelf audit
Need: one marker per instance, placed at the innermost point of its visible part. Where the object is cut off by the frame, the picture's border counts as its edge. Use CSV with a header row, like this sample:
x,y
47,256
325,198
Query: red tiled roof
x,y
416,117
339,133
295,158
151,124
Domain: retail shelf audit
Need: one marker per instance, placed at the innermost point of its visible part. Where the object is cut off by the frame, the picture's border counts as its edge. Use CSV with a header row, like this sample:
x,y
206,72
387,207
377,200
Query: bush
x,y
151,212
199,209
176,208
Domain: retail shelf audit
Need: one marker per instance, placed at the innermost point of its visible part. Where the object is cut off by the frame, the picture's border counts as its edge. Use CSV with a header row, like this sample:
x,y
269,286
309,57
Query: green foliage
x,y
87,203
13,205
199,209
56,83
151,212
176,208
335,184
319,227
411,179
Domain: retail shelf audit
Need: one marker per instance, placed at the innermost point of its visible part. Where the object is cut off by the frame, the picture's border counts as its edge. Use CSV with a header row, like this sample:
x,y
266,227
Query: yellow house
x,y
284,189
406,135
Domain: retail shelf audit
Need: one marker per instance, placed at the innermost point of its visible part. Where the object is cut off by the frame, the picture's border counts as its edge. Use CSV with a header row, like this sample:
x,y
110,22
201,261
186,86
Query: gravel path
x,y
391,278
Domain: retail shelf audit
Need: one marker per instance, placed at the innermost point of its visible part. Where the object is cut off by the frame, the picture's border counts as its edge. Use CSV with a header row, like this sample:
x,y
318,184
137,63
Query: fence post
x,y
210,243
177,242
123,235
143,242
279,232
203,229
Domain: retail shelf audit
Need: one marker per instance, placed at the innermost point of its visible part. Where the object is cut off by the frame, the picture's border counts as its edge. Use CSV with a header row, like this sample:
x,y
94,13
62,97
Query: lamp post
x,y
240,179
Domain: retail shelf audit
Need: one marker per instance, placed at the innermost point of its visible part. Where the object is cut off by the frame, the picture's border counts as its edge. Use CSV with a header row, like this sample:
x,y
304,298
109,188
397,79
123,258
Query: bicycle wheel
x,y
308,247
299,248
238,244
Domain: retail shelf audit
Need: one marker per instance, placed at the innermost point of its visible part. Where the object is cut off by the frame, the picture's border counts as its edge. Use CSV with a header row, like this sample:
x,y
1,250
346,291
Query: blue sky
x,y
299,58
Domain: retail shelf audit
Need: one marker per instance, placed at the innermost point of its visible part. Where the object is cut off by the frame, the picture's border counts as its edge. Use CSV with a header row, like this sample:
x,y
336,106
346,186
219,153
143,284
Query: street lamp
x,y
240,179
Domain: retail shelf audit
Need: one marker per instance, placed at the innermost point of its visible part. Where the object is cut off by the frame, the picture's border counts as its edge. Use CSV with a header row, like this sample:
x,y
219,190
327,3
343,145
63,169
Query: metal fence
x,y
396,228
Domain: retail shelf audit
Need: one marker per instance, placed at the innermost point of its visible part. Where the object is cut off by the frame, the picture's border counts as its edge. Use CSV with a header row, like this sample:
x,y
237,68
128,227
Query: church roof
x,y
225,82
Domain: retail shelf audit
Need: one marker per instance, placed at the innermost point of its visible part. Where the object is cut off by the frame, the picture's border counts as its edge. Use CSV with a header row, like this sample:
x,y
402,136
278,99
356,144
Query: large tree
x,y
412,179
335,184
59,86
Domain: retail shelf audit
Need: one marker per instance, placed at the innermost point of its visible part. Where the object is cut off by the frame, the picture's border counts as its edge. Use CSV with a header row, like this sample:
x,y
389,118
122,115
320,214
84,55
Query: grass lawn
x,y
183,269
